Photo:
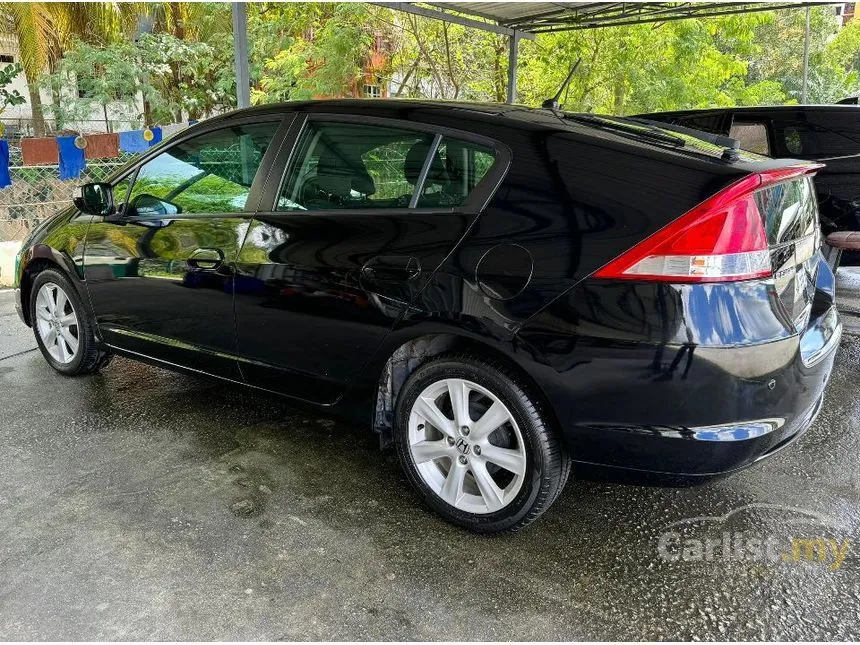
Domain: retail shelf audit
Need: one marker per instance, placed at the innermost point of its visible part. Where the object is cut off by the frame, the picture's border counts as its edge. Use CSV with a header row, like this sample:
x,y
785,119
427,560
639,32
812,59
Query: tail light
x,y
721,239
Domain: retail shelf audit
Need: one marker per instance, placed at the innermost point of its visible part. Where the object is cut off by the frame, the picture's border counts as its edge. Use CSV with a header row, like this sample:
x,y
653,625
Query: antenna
x,y
552,104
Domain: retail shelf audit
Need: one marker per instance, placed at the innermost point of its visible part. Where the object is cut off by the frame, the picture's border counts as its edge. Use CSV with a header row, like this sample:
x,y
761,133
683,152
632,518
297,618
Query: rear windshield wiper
x,y
649,132
730,146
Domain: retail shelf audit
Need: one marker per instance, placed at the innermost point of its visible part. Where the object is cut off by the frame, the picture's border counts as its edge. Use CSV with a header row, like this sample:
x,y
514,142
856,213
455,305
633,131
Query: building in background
x,y
845,12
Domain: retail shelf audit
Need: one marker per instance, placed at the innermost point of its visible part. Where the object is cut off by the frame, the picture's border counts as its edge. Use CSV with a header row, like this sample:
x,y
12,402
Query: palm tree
x,y
31,22
45,29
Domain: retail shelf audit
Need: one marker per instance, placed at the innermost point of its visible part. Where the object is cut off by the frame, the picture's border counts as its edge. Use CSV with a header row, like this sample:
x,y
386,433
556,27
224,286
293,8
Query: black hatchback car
x,y
828,134
498,291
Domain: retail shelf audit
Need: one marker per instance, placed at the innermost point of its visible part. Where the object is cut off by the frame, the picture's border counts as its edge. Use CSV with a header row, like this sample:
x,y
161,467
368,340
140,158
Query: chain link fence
x,y
37,192
17,128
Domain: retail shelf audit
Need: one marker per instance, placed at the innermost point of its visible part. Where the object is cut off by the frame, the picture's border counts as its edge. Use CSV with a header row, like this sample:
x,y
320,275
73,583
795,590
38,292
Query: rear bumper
x,y
667,452
691,409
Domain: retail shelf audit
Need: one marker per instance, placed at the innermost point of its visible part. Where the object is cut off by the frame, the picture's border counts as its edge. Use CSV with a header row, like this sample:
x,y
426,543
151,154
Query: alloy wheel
x,y
57,323
467,446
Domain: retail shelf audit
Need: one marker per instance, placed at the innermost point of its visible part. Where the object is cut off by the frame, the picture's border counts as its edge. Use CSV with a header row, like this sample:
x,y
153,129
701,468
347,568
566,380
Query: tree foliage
x,y
91,77
309,49
178,57
155,78
9,97
45,29
183,76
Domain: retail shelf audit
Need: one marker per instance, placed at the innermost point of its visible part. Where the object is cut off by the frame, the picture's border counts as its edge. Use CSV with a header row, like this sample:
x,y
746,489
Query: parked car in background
x,y
498,291
828,134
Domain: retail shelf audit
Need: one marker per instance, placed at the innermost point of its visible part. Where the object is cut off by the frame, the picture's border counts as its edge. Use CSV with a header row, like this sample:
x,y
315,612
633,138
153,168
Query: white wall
x,y
9,46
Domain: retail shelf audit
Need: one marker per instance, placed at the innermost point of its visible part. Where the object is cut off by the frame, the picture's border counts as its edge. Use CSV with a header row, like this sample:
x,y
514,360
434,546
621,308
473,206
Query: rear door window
x,y
346,166
454,171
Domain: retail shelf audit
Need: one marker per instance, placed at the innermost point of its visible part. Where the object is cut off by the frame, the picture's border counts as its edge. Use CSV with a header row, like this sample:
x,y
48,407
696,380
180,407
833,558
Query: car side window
x,y
120,190
751,136
818,135
792,140
456,168
209,173
348,165
342,165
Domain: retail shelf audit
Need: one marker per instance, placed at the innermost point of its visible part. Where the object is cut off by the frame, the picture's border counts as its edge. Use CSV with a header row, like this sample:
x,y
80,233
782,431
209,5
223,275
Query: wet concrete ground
x,y
143,504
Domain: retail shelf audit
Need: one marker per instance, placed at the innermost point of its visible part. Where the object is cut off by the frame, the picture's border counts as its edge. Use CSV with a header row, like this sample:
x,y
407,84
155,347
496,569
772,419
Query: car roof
x,y
381,105
515,116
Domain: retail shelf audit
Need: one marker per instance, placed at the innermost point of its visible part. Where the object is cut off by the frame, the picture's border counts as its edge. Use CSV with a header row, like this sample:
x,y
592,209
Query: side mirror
x,y
145,205
94,199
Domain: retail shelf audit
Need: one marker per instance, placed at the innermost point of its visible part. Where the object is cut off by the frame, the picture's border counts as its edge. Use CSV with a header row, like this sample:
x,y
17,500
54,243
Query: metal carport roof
x,y
537,17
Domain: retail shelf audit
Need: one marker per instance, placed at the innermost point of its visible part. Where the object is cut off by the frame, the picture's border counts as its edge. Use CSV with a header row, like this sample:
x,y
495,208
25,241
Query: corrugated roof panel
x,y
505,12
538,16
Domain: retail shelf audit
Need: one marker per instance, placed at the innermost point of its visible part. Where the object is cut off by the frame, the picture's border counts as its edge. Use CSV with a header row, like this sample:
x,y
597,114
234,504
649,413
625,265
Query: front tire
x,y
63,331
475,445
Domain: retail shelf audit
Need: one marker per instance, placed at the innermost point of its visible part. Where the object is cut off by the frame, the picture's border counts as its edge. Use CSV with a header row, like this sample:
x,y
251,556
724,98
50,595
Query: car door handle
x,y
206,259
391,268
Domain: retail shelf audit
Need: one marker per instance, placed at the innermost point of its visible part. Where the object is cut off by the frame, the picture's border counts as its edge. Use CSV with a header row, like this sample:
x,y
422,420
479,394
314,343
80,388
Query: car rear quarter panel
x,y
568,205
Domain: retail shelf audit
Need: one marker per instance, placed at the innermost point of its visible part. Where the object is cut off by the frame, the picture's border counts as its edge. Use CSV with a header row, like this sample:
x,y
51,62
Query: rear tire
x,y
63,330
475,445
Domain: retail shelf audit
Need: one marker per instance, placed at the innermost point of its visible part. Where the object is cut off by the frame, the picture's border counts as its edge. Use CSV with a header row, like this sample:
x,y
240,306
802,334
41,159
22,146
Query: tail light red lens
x,y
721,239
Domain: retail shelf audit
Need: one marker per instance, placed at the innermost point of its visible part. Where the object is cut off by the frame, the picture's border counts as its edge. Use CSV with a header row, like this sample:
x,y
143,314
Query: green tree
x,y
95,77
45,29
779,37
435,59
313,49
843,53
675,65
9,97
32,25
185,76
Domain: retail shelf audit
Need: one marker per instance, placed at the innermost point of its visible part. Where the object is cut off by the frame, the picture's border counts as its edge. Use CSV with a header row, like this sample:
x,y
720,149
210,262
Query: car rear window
x,y
751,137
713,123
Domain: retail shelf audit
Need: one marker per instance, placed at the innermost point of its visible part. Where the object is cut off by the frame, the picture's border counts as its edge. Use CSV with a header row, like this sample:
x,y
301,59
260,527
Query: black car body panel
x,y
707,356
319,305
829,134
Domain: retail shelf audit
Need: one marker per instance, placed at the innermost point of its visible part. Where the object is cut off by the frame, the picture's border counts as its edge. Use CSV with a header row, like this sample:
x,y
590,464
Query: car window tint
x,y
209,173
120,190
348,166
713,123
792,140
751,136
457,167
815,135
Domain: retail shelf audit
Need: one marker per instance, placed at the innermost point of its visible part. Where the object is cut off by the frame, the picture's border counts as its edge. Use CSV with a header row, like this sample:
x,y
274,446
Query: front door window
x,y
210,173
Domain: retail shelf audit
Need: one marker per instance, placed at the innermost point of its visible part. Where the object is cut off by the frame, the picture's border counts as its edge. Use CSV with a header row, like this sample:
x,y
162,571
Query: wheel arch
x,y
409,354
42,257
